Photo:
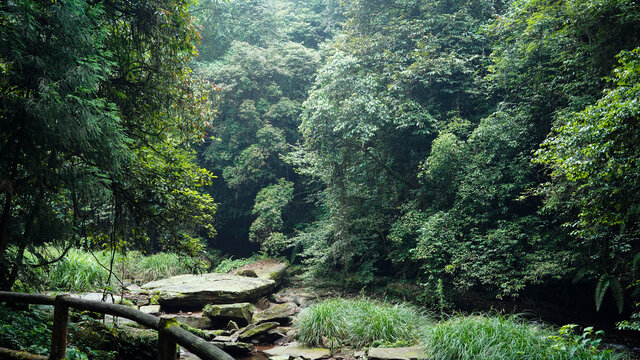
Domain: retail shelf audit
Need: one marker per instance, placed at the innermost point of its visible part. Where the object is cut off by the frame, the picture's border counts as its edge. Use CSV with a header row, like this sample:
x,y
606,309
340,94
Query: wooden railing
x,y
169,332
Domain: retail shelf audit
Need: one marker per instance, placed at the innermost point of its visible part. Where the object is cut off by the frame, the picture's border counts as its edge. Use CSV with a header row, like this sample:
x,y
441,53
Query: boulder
x,y
269,269
234,348
187,292
150,309
404,353
247,273
278,312
232,325
254,330
195,321
222,314
296,350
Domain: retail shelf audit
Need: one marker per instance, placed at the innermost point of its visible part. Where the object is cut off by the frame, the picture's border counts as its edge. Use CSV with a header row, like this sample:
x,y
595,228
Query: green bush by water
x,y
498,337
359,323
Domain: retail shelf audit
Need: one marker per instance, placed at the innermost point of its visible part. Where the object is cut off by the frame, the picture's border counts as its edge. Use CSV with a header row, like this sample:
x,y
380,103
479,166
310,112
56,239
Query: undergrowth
x,y
30,331
359,323
230,264
500,337
81,271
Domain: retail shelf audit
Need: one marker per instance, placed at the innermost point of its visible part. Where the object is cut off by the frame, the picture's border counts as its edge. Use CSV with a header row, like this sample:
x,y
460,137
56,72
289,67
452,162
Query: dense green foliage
x,y
99,116
423,125
31,331
486,146
264,66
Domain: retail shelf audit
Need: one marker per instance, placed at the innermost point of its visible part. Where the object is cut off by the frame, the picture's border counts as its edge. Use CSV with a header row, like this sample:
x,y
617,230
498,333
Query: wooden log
x,y
197,345
13,298
167,347
9,354
141,318
60,329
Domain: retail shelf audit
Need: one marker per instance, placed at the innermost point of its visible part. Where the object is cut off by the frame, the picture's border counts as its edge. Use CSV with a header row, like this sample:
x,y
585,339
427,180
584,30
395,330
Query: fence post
x,y
167,347
60,328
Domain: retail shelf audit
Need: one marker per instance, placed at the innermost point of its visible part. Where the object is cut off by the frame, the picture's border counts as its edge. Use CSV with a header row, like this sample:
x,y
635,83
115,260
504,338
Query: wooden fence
x,y
169,333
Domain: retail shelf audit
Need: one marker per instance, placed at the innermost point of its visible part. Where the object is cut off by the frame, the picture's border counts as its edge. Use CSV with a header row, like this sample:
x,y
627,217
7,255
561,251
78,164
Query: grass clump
x,y
359,323
82,271
498,337
230,264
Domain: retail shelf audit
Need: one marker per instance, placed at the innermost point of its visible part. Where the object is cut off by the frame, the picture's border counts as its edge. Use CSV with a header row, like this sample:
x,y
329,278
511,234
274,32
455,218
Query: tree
x,y
592,155
98,114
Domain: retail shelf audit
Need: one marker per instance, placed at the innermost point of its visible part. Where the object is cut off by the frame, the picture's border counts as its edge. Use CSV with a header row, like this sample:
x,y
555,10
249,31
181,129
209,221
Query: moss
x,y
154,299
201,333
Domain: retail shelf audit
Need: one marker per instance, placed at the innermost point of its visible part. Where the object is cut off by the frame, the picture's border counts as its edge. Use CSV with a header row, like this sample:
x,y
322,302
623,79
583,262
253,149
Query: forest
x,y
454,156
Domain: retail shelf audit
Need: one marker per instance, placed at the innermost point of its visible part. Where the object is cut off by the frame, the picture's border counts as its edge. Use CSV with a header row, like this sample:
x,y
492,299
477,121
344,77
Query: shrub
x,y
229,264
359,323
498,337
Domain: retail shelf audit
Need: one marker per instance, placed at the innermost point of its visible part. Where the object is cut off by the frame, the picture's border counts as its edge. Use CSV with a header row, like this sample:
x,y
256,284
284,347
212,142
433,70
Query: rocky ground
x,y
247,313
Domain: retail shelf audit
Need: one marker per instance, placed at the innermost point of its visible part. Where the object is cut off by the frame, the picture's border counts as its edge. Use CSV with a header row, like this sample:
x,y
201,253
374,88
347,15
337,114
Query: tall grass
x,y
359,323
498,337
81,271
229,264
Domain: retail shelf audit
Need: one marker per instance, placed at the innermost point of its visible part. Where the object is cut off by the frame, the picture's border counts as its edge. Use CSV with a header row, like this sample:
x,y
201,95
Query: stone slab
x,y
194,291
404,353
277,312
296,350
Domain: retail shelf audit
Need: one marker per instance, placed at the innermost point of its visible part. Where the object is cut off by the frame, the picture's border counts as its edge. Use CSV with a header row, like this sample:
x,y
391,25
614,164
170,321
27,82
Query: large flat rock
x,y
296,350
194,291
405,353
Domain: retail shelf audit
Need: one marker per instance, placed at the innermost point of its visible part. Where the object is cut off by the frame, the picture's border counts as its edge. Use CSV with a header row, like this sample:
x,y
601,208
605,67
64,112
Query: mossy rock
x,y
254,330
278,312
191,292
221,314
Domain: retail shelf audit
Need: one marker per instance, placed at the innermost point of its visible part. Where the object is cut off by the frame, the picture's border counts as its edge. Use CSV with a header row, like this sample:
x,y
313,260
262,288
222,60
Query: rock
x,y
296,350
359,354
133,287
150,309
254,330
273,336
190,292
234,348
221,314
247,273
330,343
405,353
195,321
269,269
232,325
279,357
223,338
283,341
278,312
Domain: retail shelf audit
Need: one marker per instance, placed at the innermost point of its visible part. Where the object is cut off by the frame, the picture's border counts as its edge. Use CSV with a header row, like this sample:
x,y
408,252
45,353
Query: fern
x,y
605,282
618,293
601,289
636,266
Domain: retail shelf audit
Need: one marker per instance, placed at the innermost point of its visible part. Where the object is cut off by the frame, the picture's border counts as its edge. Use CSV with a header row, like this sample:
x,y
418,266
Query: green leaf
x,y
601,289
618,293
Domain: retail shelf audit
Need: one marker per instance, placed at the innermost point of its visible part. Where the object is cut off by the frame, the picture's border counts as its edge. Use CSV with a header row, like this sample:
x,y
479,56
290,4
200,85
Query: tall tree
x,y
98,117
